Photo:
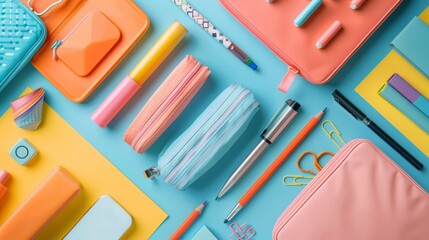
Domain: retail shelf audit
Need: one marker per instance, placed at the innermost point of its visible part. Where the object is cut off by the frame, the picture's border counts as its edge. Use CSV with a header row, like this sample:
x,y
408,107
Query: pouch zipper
x,y
328,170
288,79
167,102
188,97
320,178
206,135
185,162
60,42
192,131
247,112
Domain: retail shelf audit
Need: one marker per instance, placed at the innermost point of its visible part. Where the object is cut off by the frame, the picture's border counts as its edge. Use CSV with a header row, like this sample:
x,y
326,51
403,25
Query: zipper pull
x,y
288,79
151,172
54,48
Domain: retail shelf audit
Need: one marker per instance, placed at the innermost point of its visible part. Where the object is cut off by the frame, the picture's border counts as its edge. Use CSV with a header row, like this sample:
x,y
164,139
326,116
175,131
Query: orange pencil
x,y
276,164
188,222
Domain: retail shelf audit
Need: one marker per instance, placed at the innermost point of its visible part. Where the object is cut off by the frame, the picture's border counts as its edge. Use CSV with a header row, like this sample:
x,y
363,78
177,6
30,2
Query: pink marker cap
x,y
4,177
115,101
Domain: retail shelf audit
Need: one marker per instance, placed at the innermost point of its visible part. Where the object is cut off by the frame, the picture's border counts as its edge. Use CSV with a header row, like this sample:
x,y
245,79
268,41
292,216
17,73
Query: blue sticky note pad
x,y
23,151
204,234
105,220
413,44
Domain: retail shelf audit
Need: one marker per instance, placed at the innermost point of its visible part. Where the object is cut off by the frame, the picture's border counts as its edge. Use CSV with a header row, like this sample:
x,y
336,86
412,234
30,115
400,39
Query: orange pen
x,y
188,222
276,164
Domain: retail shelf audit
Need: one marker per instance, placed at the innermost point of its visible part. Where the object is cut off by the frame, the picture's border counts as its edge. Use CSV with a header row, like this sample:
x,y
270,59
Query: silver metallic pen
x,y
280,120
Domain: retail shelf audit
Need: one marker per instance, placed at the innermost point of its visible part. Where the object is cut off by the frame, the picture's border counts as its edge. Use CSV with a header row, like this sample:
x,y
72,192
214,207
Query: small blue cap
x,y
253,66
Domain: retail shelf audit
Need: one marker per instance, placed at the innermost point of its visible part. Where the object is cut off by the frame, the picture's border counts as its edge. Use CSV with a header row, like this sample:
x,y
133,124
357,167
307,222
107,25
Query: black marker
x,y
359,115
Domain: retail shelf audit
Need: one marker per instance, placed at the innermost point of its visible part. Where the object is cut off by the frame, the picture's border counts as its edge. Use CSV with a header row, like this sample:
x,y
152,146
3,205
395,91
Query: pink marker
x,y
141,72
329,34
355,4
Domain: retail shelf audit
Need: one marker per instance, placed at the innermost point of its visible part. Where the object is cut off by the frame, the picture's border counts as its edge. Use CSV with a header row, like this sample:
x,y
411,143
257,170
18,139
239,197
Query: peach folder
x,y
368,89
60,145
130,21
53,194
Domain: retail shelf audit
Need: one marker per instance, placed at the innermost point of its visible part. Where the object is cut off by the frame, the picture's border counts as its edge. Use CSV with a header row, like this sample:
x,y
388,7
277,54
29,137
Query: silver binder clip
x,y
151,172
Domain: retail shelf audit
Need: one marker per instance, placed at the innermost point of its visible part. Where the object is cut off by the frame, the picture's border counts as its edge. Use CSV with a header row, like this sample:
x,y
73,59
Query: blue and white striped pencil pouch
x,y
204,143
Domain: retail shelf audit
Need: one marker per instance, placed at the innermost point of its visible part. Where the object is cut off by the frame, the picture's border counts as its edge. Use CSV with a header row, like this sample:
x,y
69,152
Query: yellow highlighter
x,y
141,72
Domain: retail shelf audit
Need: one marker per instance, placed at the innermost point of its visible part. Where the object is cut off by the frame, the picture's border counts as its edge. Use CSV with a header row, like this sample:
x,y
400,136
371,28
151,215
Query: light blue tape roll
x,y
407,108
214,132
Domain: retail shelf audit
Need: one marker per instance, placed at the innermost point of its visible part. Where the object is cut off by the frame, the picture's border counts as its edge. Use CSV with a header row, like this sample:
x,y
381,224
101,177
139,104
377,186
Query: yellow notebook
x,y
368,89
60,145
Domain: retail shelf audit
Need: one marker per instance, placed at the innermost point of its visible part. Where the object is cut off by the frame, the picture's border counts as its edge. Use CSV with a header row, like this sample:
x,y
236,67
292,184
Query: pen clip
x,y
273,121
270,132
338,100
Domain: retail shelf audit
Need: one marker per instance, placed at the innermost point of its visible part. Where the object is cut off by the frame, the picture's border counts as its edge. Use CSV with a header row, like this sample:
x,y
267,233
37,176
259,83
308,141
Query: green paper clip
x,y
331,134
296,179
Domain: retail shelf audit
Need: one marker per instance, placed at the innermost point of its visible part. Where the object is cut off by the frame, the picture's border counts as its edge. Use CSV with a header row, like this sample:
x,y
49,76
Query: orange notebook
x,y
272,23
90,38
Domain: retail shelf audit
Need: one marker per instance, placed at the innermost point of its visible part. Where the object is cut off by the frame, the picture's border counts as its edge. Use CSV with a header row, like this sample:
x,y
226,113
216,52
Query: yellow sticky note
x,y
368,89
60,145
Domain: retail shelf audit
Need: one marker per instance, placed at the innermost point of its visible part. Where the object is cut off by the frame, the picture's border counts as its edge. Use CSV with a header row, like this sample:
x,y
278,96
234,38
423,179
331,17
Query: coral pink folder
x,y
273,24
360,194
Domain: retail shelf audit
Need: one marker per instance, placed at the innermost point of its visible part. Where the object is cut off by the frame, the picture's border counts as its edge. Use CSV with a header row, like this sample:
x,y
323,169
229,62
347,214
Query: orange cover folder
x,y
59,188
66,22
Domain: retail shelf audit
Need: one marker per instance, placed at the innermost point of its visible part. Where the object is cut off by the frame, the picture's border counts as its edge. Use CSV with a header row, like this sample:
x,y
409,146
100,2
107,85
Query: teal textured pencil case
x,y
21,35
204,143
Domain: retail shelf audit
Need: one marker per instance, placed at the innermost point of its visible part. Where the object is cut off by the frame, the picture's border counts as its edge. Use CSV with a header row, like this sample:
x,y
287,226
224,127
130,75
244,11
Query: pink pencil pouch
x,y
360,194
166,104
273,24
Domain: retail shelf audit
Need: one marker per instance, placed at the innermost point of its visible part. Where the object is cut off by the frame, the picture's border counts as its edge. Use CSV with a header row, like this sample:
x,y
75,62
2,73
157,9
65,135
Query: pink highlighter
x,y
329,34
141,72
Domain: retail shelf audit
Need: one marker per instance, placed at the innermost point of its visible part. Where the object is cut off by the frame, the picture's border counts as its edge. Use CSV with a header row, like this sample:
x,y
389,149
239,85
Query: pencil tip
x,y
204,203
217,197
225,221
324,110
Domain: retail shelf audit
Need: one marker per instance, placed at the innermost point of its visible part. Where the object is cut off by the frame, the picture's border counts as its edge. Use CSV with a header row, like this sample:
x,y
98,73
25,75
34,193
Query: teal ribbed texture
x,y
204,143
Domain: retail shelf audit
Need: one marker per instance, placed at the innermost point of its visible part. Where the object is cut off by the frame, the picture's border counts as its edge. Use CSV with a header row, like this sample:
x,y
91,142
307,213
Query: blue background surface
x,y
264,209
